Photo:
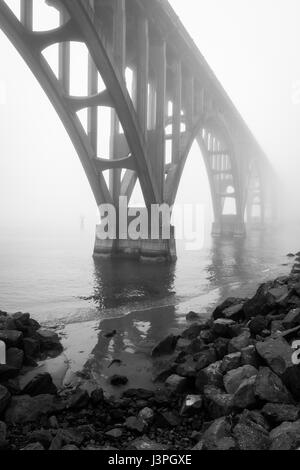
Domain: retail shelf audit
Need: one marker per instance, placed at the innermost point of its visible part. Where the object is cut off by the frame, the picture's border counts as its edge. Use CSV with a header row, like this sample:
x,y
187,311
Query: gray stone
x,y
240,342
166,346
193,331
4,398
34,446
234,378
292,319
14,358
11,338
230,362
24,409
249,356
191,404
114,433
41,384
244,396
49,340
216,432
269,387
251,436
279,413
144,443
211,375
176,383
224,328
217,403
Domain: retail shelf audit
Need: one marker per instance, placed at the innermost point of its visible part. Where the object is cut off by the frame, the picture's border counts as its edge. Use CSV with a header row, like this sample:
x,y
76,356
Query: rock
x,y
97,396
285,436
236,312
292,319
249,356
11,338
230,362
258,324
195,346
251,436
78,400
53,422
3,431
41,384
49,340
192,316
221,347
191,404
277,353
279,413
24,409
144,443
70,447
42,436
269,387
34,446
244,396
207,336
176,384
135,424
240,342
205,358
217,403
118,380
114,433
138,394
265,300
193,331
224,328
187,368
255,417
234,378
8,372
14,358
211,375
222,310
31,347
4,398
169,419
166,346
216,432
146,415
164,373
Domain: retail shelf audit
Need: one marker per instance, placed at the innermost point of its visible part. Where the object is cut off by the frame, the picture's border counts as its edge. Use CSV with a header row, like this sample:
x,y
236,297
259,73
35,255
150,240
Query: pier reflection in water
x,y
160,300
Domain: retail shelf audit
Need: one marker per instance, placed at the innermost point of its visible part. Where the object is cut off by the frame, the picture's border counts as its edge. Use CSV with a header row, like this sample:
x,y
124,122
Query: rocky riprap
x,y
230,383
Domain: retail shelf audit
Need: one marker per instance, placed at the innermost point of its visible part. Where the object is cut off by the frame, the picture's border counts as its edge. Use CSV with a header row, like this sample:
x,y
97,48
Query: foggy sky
x,y
253,46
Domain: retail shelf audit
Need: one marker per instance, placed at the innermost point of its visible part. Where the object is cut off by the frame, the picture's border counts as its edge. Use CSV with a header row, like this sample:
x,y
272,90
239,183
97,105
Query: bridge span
x,y
172,100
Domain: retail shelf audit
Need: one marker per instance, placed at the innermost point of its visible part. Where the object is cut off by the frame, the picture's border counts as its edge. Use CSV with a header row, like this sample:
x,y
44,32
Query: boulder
x,y
277,354
240,342
235,312
292,319
187,368
136,424
224,328
211,375
165,347
215,433
176,383
269,387
266,299
12,338
146,414
234,378
217,403
244,396
205,358
279,413
191,404
230,362
192,316
258,324
114,434
251,436
193,331
118,380
24,409
249,356
286,436
34,446
14,358
31,347
221,347
78,400
4,398
228,304
49,340
41,384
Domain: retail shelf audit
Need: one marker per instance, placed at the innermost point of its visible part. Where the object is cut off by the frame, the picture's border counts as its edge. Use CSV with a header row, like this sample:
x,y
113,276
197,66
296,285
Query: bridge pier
x,y
146,250
229,225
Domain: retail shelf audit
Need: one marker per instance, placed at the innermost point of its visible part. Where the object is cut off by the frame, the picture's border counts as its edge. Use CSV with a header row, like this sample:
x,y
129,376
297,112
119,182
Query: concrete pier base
x,y
146,251
229,226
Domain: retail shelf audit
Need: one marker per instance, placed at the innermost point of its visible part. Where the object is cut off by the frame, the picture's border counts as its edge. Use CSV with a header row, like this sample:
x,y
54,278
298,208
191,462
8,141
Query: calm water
x,y
56,280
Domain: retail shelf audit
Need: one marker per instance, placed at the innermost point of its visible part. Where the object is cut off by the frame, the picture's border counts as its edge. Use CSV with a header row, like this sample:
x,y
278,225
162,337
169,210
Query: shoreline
x,y
223,383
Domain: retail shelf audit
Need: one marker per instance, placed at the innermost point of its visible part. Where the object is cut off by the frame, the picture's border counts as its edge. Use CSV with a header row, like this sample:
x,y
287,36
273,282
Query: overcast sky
x,y
253,46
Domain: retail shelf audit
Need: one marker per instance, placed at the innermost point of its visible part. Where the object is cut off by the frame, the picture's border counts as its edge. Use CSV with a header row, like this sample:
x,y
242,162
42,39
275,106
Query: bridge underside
x,y
161,95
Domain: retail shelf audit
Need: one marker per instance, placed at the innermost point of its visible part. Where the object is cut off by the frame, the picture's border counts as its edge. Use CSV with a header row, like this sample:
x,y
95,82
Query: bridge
x,y
172,99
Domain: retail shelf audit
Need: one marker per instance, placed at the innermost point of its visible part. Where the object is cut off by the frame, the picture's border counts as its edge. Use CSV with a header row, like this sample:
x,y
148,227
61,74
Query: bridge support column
x,y
144,249
229,225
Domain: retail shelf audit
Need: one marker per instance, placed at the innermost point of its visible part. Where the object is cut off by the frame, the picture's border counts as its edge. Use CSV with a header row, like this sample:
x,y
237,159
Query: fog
x,y
253,46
